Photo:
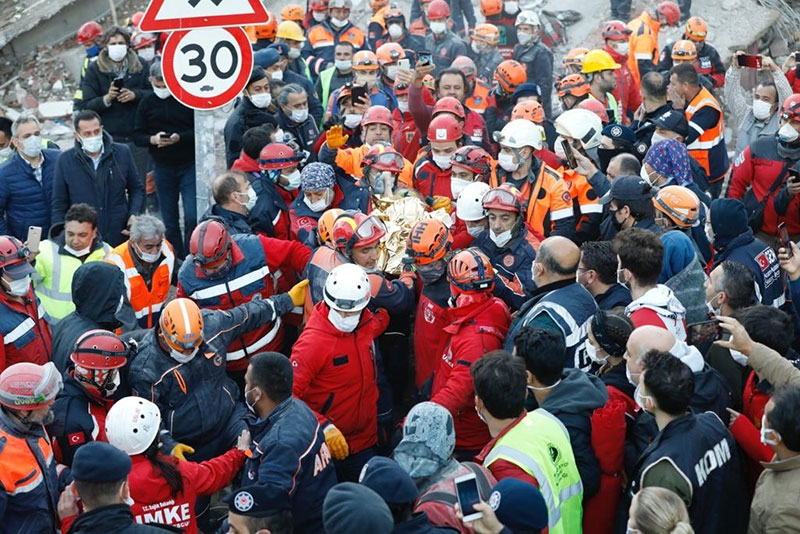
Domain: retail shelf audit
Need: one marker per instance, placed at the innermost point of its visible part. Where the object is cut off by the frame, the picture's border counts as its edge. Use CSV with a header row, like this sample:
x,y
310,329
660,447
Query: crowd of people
x,y
437,254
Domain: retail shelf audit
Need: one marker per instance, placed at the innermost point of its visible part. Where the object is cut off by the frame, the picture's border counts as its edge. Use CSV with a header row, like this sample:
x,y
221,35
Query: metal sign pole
x,y
204,157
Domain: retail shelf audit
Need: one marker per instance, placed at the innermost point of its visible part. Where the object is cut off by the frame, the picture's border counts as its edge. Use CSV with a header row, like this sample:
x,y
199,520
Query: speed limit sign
x,y
207,68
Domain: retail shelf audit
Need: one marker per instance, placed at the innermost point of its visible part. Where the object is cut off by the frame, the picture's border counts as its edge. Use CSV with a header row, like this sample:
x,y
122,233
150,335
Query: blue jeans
x,y
171,184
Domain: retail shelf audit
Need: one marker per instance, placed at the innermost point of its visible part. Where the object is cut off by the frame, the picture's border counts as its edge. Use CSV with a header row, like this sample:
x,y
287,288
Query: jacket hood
x,y
729,219
97,288
577,392
245,163
689,355
103,520
678,254
660,297
147,482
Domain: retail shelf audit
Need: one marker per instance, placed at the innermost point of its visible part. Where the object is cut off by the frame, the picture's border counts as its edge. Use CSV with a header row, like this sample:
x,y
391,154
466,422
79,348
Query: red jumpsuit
x,y
627,92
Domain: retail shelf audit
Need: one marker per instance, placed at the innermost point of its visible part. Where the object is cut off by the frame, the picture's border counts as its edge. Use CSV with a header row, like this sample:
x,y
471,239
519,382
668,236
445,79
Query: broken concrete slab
x,y
56,109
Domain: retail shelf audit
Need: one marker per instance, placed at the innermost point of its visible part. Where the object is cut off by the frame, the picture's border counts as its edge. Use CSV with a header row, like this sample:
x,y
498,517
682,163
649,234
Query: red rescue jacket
x,y
626,93
430,337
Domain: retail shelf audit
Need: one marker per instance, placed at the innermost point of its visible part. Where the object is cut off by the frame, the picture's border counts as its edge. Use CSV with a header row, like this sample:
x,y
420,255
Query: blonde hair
x,y
661,511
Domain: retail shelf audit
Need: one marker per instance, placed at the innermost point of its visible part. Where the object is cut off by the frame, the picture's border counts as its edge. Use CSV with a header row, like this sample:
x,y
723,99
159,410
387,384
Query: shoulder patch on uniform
x,y
494,500
508,260
565,197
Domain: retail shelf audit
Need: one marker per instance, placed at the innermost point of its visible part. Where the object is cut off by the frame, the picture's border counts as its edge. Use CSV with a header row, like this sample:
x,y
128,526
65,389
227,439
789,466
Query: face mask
x,y
366,79
761,109
476,47
480,415
294,180
438,27
443,162
544,388
475,231
617,225
279,136
260,100
92,145
500,239
558,149
656,137
710,305
339,23
787,134
78,253
639,398
591,351
429,276
524,38
147,54
395,31
6,152
643,173
506,161
117,52
320,205
251,198
161,92
511,7
276,75
299,115
319,16
294,53
630,376
391,71
147,256
93,50
621,277
32,146
343,324
764,439
622,48
343,64
251,407
351,120
19,288
402,106
180,357
457,185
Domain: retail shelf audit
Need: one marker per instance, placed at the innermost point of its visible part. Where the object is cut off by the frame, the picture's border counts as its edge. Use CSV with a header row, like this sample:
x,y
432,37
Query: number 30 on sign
x,y
207,68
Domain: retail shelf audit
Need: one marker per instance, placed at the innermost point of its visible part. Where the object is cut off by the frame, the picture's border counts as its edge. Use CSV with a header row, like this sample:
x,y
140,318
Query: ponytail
x,y
168,470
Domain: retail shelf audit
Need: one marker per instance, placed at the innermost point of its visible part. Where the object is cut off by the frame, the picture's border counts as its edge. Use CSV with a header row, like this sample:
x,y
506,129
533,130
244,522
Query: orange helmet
x,y
377,115
428,241
506,197
470,272
439,9
444,128
487,33
491,7
510,74
684,50
670,11
475,159
269,29
596,107
467,66
365,60
292,12
616,30
89,31
449,104
377,4
530,110
696,29
574,57
383,158
325,225
678,203
357,231
389,53
181,325
574,85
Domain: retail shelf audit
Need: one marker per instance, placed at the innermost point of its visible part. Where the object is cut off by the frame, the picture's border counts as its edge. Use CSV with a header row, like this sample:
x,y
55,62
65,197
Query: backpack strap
x,y
484,486
441,497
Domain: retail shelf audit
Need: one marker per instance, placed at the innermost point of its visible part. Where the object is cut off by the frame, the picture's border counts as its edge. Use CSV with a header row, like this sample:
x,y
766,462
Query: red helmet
x,y
473,158
449,104
467,66
14,257
671,11
438,9
383,158
318,5
596,107
27,386
96,355
505,198
428,241
278,156
791,107
616,30
142,39
377,115
444,128
136,18
357,231
88,31
210,244
470,271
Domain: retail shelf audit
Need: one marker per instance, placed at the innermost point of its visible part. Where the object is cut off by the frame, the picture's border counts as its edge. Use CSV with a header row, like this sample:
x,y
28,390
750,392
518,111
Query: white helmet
x,y
132,424
519,133
581,124
346,4
347,288
469,205
527,17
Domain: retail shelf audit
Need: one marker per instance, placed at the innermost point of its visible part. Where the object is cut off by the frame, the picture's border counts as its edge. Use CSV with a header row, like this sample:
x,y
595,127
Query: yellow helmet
x,y
598,60
289,29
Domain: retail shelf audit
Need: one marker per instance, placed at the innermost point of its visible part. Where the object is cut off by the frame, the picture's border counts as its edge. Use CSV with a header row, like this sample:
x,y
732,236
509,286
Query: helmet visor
x,y
501,199
389,161
370,228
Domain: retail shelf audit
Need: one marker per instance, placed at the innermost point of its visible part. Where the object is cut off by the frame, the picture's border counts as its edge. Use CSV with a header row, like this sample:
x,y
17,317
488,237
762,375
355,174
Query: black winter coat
x,y
114,519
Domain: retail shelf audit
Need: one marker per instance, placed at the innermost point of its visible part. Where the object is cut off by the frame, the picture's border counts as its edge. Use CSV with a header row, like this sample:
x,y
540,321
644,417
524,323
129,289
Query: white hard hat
x,y
132,424
519,133
469,205
581,124
347,288
527,17
346,4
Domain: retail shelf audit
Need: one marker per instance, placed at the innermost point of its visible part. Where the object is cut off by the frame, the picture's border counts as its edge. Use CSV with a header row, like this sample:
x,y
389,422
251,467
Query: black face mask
x,y
432,275
614,221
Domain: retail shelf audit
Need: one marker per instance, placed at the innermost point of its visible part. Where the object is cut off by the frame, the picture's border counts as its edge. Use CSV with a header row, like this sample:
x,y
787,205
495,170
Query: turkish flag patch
x,y
76,438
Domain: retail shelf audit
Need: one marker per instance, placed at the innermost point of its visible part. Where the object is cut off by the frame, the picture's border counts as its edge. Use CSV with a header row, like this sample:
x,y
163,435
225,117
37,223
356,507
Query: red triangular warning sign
x,y
169,15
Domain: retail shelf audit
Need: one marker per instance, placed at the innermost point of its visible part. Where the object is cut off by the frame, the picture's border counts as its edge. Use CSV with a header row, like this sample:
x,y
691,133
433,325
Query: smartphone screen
x,y
34,237
704,332
165,136
358,93
747,60
568,153
783,235
424,57
467,491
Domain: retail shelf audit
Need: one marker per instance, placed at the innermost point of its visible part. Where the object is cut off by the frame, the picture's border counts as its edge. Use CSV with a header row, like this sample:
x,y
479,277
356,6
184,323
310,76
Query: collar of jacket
x,y
14,428
107,151
259,426
789,464
133,64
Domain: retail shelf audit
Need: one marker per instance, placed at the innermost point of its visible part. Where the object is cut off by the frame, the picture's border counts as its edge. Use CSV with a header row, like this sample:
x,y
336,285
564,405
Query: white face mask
x,y
343,64
710,305
480,415
19,288
147,256
395,31
644,174
761,109
339,23
511,7
506,161
787,134
161,92
251,198
351,120
180,357
319,205
457,185
558,149
391,71
276,75
299,115
6,152
438,27
764,439
319,16
79,253
147,54
444,162
591,351
656,138
475,231
477,47
402,106
622,48
630,376
639,398
279,136
117,52
251,407
92,145
500,239
294,53
32,146
343,324
260,100
294,178
524,38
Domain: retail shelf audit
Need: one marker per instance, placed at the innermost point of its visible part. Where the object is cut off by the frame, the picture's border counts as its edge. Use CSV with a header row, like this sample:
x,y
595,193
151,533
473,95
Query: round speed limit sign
x,y
207,68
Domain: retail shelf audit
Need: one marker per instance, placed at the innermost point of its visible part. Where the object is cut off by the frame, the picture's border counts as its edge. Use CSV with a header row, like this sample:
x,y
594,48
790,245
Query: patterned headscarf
x,y
670,158
428,440
316,177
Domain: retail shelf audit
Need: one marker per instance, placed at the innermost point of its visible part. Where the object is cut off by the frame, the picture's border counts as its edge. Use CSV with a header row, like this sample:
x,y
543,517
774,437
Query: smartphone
x,y
118,82
568,153
467,492
424,57
404,64
358,93
165,135
34,237
747,60
704,332
783,235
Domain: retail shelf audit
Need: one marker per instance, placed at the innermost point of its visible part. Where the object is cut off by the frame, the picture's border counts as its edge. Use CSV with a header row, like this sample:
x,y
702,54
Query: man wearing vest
x,y
559,302
339,75
600,70
148,263
70,246
318,49
530,446
28,479
693,455
706,139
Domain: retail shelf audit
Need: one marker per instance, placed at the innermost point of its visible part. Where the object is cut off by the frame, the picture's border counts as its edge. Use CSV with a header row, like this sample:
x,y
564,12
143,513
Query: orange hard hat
x,y
510,74
491,7
487,33
269,29
530,110
696,29
470,271
678,203
325,225
574,85
181,324
292,12
575,57
684,50
428,241
389,53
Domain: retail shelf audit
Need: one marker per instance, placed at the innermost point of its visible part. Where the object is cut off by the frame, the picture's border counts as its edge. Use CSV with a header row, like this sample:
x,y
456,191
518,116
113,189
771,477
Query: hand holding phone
x,y
468,497
783,235
358,93
118,82
33,239
703,332
571,162
424,57
748,60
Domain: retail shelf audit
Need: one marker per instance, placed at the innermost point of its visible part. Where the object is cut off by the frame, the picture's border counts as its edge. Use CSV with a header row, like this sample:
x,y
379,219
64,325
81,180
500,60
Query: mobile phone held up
x,y
569,155
118,82
747,60
467,492
783,235
359,93
424,57
703,332
34,237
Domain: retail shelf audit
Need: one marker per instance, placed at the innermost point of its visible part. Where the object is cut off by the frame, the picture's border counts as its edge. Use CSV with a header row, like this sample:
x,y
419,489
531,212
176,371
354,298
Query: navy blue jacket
x,y
114,189
513,265
617,295
243,117
236,222
289,452
23,200
757,256
74,424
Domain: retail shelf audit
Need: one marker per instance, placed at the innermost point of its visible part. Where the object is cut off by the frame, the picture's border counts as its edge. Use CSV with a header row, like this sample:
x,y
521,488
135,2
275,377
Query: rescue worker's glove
x,y
441,203
408,278
336,442
298,293
180,450
335,138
